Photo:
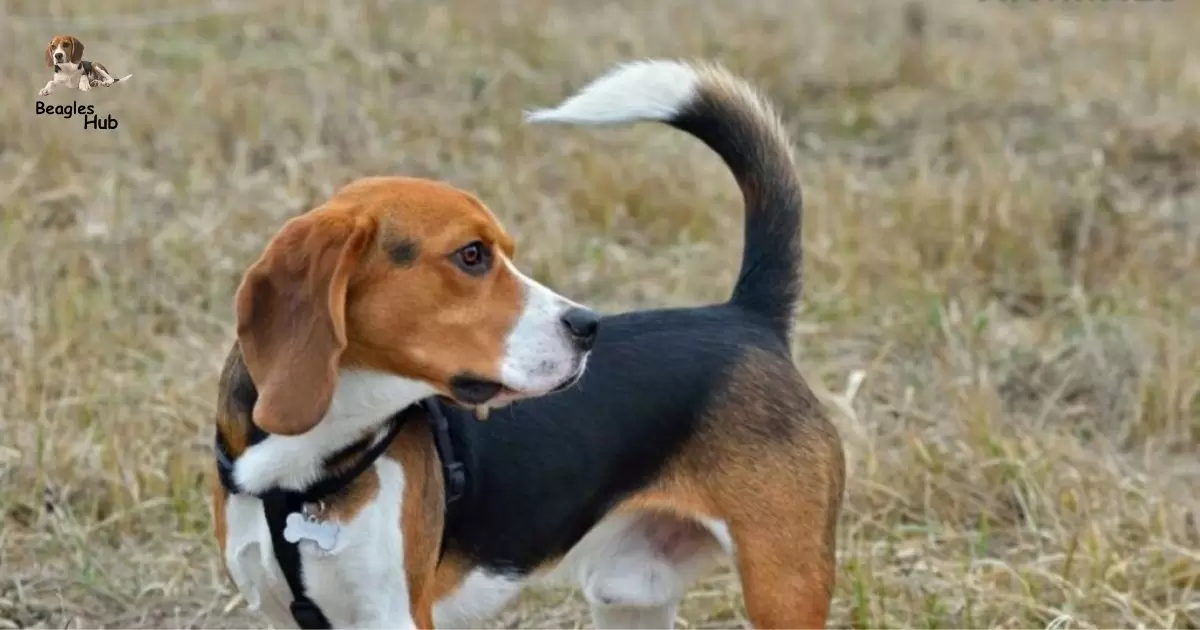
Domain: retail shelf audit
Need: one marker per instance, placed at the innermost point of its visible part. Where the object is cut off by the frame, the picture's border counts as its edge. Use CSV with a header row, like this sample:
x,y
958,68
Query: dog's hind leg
x,y
104,77
785,531
639,565
634,590
779,490
786,583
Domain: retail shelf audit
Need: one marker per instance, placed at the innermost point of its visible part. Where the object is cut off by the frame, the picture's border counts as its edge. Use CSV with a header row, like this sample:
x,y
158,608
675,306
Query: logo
x,y
85,111
64,55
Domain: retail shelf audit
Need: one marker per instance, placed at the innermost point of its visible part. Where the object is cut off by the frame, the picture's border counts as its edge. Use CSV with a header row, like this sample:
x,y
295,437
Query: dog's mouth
x,y
476,391
473,390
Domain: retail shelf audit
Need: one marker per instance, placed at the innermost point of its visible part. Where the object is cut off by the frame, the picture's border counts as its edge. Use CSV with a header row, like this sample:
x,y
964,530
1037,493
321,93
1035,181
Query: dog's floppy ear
x,y
50,54
291,319
76,49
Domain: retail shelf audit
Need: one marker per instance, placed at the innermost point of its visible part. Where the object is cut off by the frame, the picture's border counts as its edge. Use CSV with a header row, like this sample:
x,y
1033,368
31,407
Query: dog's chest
x,y
70,79
360,582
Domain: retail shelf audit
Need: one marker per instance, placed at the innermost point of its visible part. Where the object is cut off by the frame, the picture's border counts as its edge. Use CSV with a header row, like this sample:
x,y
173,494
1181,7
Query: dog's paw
x,y
44,92
85,86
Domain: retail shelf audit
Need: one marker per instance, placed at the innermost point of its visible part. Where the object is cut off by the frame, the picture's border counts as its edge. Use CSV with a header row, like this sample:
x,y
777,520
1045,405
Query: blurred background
x,y
1002,231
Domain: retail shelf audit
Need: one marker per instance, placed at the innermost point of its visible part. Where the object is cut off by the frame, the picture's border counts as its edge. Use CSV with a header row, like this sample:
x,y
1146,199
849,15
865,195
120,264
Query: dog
x,y
64,55
358,484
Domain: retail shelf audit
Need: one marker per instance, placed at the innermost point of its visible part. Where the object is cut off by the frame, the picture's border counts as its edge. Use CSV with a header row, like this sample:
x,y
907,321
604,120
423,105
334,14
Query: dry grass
x,y
1002,229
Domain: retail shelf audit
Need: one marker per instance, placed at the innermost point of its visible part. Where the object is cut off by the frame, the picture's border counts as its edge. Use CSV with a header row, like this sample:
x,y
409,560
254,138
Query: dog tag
x,y
300,527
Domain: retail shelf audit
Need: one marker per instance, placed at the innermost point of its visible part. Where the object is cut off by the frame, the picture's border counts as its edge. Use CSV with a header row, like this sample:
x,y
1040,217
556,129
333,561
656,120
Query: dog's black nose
x,y
582,324
58,56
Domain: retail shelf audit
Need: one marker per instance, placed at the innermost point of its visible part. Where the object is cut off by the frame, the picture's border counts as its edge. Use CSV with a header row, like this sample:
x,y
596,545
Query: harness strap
x,y
279,503
453,471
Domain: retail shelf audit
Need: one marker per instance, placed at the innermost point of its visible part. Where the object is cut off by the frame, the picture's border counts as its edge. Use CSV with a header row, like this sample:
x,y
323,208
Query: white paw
x,y
84,85
44,92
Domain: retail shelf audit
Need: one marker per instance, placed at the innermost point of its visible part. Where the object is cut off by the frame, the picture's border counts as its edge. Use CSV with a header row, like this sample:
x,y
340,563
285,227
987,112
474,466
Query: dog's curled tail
x,y
730,116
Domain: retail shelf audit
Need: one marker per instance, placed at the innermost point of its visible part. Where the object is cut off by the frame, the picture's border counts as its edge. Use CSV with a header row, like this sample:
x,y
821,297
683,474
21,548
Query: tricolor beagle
x,y
64,55
691,434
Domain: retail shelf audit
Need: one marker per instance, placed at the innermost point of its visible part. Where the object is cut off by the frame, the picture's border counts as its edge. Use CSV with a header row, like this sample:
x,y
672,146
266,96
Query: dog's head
x,y
409,277
64,49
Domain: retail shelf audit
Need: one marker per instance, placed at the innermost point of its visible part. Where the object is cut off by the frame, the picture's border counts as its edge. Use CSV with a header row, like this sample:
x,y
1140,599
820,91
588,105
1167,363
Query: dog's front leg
x,y
49,89
85,83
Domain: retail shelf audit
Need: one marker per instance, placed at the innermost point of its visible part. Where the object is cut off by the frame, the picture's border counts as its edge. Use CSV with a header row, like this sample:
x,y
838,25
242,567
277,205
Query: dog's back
x,y
691,430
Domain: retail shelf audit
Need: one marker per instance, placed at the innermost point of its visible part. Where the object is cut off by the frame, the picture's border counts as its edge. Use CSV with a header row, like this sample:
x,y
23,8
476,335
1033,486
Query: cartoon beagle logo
x,y
64,54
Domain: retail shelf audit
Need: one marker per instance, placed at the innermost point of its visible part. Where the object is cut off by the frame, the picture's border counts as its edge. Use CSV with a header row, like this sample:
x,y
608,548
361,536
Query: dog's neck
x,y
362,401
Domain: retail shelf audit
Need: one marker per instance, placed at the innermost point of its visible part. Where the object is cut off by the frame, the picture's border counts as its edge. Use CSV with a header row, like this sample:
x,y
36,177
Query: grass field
x,y
1002,228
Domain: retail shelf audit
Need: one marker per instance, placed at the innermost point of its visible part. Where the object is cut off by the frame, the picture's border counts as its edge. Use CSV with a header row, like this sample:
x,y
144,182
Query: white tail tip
x,y
640,90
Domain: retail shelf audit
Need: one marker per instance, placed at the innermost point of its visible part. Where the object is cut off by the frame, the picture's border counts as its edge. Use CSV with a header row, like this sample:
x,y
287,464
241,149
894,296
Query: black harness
x,y
279,503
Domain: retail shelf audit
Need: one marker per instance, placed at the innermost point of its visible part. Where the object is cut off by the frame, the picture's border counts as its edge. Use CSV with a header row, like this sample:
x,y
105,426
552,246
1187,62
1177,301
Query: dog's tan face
x,y
403,276
64,49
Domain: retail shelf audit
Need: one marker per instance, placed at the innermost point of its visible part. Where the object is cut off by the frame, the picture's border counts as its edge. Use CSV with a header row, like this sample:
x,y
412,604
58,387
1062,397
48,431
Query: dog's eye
x,y
474,258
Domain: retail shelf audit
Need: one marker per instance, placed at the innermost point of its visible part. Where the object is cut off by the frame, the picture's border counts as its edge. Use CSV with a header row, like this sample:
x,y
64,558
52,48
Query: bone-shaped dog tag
x,y
300,527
